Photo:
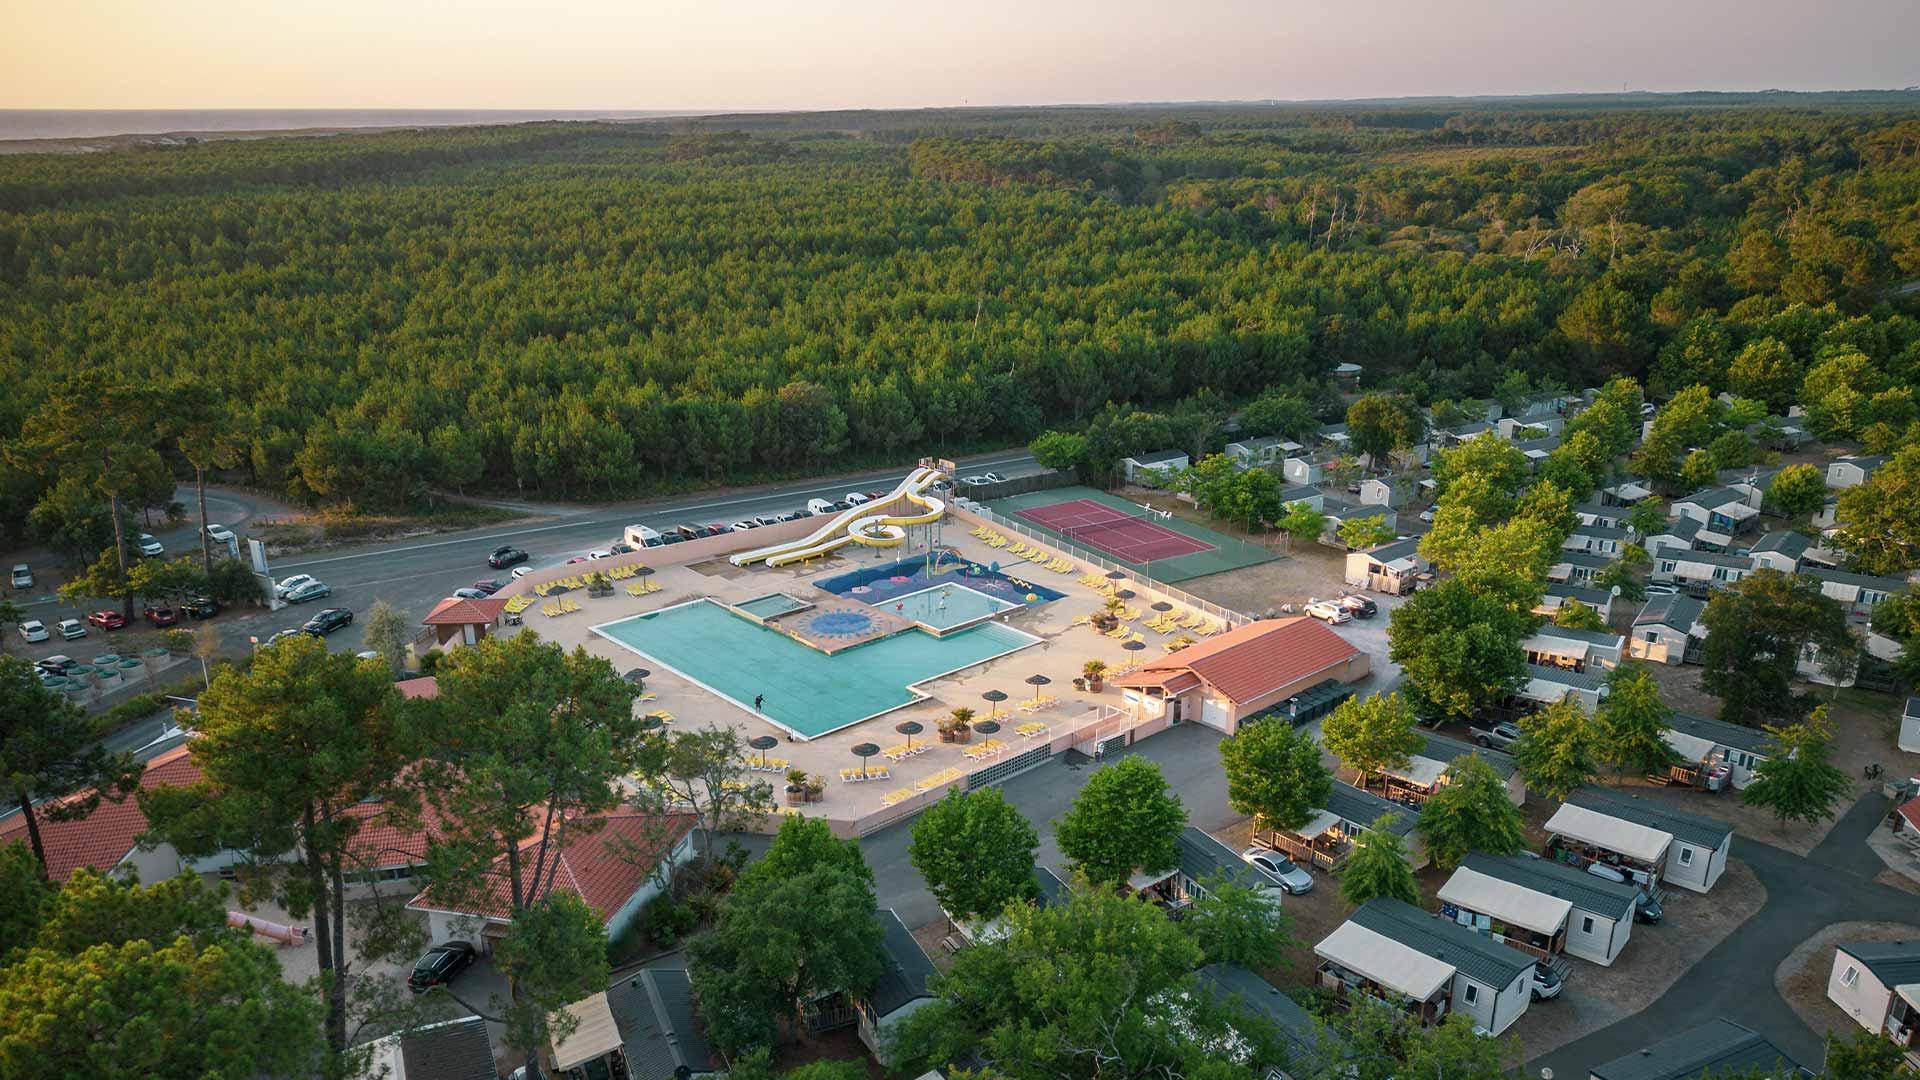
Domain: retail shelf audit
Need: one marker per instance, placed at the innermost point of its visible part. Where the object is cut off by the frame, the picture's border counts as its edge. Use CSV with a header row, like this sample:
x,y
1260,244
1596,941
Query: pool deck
x,y
1059,656
795,624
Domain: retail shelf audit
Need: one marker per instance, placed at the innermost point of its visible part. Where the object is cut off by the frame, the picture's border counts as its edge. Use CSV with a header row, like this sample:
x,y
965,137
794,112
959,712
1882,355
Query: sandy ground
x,y
1802,977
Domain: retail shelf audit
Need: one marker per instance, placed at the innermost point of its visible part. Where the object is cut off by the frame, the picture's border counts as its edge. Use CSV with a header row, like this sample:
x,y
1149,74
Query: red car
x,y
107,620
162,616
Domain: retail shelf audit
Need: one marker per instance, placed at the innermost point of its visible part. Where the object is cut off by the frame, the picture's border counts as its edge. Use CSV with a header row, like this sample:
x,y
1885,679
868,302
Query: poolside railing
x,y
1072,550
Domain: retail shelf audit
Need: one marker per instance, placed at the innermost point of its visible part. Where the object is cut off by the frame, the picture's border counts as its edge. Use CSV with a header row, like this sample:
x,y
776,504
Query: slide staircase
x,y
863,524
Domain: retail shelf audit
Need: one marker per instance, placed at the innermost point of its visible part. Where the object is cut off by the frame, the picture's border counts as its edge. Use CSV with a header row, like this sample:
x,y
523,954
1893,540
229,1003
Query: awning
x,y
1505,901
1548,645
1322,821
1423,771
1385,961
1609,833
1909,993
594,1036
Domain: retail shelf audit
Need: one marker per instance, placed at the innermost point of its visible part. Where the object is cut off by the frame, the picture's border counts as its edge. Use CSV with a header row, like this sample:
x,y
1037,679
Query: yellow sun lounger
x,y
1029,730
896,796
944,776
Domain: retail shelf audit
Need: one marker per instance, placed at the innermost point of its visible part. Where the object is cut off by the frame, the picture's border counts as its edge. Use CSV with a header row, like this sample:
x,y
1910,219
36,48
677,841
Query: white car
x,y
743,525
522,571
219,534
599,553
817,507
72,628
1661,589
22,576
1291,876
149,546
1329,610
34,631
855,498
286,587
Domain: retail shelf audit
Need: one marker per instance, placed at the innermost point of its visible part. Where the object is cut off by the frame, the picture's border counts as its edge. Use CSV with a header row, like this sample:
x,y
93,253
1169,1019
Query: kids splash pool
x,y
881,585
808,692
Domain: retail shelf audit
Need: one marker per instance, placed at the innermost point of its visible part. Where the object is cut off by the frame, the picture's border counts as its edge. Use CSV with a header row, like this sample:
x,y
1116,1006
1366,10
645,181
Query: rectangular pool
x,y
807,692
770,605
946,605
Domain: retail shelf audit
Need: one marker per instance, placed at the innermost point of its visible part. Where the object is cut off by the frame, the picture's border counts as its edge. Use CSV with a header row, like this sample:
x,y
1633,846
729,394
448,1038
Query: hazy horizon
x,y
759,55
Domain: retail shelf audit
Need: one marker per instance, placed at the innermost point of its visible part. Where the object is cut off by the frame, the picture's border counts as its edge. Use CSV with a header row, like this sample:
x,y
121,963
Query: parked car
x,y
743,525
1293,878
855,498
438,965
1659,588
599,553
220,534
161,615
201,607
312,590
287,586
56,665
993,478
576,560
1362,607
149,546
1329,611
819,506
1427,515
34,631
1495,736
471,594
22,576
1646,908
505,556
718,528
488,586
1546,982
975,481
72,628
620,547
768,519
327,621
107,620
282,635
520,572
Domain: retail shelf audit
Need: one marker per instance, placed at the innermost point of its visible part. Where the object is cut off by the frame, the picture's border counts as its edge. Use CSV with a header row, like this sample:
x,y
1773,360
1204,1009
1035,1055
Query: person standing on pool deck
x,y
759,700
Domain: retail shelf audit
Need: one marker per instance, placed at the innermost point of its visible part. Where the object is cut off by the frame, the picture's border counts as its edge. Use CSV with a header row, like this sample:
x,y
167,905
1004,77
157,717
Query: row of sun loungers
x,y
1031,729
643,588
861,775
1020,548
939,779
562,607
772,765
901,751
990,748
1044,701
518,604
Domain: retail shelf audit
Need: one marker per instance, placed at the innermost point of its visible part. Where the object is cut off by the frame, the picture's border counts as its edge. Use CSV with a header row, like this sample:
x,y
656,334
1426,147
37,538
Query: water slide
x,y
859,524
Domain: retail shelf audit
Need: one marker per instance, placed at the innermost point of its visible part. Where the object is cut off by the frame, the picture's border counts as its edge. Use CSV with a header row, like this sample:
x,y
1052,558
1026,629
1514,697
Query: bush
x,y
667,922
137,707
430,663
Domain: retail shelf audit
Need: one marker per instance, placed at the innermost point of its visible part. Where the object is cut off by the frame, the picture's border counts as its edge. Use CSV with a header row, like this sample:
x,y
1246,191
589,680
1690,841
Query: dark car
x,y
201,607
1362,607
56,665
488,586
621,547
506,556
162,616
472,594
327,620
439,965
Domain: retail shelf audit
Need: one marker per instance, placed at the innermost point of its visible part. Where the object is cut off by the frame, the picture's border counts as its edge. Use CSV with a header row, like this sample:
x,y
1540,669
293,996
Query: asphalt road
x,y
413,575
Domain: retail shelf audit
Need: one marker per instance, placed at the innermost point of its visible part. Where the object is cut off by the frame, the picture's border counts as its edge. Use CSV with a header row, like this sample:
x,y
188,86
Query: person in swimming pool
x,y
759,700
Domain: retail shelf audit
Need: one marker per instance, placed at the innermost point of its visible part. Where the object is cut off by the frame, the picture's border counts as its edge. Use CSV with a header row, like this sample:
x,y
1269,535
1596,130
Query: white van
x,y
639,536
817,507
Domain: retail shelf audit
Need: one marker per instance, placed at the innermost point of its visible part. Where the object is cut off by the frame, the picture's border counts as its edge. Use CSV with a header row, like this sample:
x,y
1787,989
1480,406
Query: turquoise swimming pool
x,y
806,691
945,605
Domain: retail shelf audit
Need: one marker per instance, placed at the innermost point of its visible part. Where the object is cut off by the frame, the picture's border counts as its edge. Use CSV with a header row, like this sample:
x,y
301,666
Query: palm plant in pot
x,y
796,787
1094,671
958,727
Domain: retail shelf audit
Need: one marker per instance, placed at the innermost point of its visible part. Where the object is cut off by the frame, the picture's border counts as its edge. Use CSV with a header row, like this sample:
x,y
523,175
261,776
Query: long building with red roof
x,y
1229,677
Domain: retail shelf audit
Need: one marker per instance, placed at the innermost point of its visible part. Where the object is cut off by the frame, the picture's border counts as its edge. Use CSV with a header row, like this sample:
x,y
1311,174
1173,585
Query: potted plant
x,y
816,789
598,585
1094,671
957,728
796,787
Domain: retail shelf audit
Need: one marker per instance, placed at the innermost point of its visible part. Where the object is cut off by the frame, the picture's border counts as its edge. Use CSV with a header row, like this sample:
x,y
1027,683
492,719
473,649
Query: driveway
x,y
1734,979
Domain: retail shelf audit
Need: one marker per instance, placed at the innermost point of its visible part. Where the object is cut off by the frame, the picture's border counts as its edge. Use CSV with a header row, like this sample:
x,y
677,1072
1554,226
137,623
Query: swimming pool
x,y
772,604
881,585
945,606
807,692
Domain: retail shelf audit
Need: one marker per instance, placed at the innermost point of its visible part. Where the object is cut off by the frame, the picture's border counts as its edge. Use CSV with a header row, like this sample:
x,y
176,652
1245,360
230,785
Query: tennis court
x,y
1094,522
1133,538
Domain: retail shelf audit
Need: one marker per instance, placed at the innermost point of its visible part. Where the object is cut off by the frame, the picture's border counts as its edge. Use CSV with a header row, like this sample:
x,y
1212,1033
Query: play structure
x,y
862,524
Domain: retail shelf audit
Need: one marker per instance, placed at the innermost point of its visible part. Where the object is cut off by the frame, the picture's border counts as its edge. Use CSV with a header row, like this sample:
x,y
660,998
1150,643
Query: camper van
x,y
639,536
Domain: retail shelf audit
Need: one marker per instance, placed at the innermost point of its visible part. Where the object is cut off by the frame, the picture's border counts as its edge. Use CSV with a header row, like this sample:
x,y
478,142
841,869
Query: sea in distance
x,y
18,124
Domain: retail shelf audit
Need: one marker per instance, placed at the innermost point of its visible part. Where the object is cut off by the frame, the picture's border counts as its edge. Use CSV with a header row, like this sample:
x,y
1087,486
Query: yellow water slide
x,y
861,524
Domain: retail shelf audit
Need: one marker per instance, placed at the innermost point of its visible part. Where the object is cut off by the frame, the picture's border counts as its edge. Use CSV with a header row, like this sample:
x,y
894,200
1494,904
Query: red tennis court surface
x,y
1130,539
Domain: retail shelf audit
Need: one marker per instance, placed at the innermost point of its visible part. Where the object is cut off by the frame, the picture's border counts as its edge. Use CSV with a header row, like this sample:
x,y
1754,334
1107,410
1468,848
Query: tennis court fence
x,y
968,508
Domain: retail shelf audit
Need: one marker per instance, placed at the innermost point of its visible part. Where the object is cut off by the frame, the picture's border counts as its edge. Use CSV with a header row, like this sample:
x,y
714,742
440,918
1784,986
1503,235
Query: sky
x,y
814,54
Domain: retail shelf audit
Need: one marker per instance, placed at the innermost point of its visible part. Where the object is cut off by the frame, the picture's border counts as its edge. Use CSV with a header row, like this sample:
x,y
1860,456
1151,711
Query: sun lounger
x,y
1207,630
1119,633
1029,730
944,776
896,796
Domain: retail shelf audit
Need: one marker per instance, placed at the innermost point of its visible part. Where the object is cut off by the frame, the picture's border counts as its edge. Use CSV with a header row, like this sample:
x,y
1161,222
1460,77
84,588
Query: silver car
x,y
1292,878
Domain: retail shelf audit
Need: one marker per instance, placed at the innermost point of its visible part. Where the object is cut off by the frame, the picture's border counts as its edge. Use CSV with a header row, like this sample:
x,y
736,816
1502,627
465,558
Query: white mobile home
x,y
1706,741
1679,848
1668,630
1391,950
1148,468
1852,471
1600,922
1877,983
